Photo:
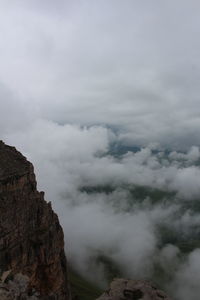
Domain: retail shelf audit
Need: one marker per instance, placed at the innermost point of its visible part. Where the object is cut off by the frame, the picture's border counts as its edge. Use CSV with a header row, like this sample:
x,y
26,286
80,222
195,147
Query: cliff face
x,y
31,238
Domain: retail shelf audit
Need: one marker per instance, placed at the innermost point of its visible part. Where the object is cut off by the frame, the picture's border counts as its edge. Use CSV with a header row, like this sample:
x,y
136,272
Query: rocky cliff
x,y
31,238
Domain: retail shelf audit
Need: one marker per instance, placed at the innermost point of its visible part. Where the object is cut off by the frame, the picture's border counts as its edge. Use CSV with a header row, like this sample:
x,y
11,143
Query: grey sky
x,y
132,64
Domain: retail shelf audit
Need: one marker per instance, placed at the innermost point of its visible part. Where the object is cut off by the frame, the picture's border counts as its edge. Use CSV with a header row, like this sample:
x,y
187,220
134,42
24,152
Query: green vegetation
x,y
81,288
154,195
106,189
110,267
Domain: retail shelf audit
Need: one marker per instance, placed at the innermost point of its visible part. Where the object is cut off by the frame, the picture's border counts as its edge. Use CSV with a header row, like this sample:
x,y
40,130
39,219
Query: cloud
x,y
79,78
70,157
128,65
80,154
187,278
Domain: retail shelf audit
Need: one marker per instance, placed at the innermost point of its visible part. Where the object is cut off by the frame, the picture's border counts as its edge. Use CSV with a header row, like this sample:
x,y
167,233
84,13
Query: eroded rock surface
x,y
17,287
31,238
122,289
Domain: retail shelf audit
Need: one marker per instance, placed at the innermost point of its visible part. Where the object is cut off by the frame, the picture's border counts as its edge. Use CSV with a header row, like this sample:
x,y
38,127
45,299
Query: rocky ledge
x,y
124,289
31,238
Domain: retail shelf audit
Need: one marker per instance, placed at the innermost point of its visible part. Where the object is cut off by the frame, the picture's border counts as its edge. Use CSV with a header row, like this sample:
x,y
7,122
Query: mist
x,y
71,161
103,98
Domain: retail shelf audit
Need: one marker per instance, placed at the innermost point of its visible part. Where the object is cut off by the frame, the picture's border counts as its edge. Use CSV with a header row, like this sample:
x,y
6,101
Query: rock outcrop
x,y
124,289
31,238
17,288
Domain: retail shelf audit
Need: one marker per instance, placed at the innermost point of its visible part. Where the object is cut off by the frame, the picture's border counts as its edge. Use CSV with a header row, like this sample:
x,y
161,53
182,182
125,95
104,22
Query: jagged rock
x,y
124,289
31,238
18,288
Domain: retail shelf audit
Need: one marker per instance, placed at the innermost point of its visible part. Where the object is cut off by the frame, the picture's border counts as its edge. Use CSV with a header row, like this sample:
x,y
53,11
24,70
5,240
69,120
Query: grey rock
x,y
127,289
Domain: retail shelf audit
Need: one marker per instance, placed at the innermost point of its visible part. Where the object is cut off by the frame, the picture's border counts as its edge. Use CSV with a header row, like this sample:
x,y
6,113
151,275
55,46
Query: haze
x,y
79,78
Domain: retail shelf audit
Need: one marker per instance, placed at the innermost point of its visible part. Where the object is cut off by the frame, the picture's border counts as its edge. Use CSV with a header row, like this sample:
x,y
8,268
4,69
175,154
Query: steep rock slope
x,y
31,238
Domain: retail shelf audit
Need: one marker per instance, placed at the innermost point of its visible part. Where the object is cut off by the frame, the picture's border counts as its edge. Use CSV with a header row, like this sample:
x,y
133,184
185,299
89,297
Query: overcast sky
x,y
76,75
130,64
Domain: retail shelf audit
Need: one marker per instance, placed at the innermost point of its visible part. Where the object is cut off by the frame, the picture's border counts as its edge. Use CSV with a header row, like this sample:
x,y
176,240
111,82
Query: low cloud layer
x,y
69,158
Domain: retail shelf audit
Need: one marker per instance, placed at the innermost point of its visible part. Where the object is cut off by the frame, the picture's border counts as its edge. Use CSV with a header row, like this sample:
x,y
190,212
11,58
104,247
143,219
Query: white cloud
x,y
71,70
125,64
68,157
187,278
